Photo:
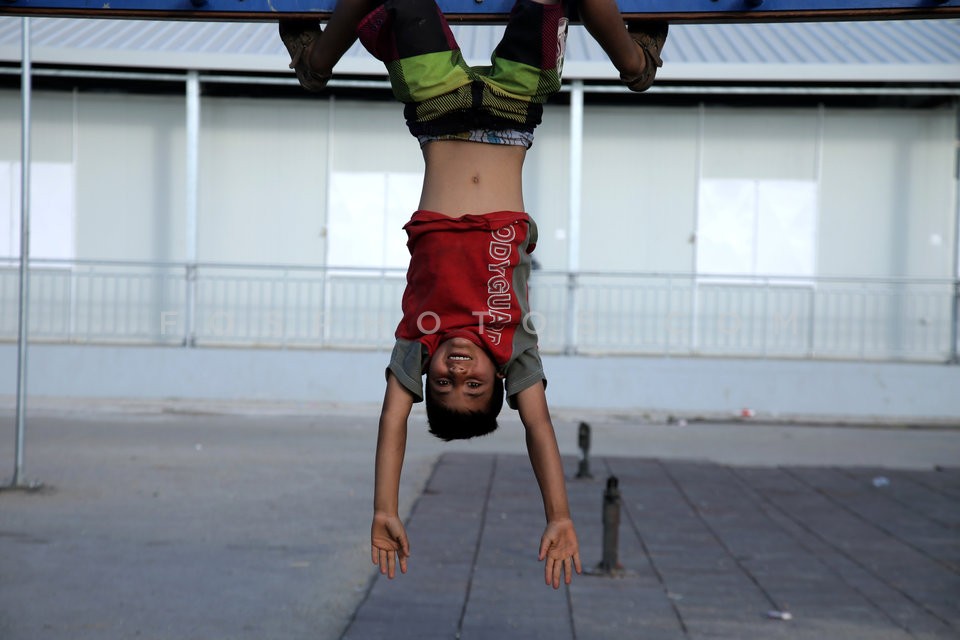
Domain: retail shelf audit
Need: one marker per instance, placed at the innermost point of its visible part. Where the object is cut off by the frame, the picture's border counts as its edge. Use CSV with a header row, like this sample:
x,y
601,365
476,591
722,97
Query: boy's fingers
x,y
576,562
544,546
567,570
403,564
391,565
375,554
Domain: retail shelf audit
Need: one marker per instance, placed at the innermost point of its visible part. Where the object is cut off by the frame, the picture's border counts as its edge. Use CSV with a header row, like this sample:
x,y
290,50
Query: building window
x,y
757,228
52,215
366,216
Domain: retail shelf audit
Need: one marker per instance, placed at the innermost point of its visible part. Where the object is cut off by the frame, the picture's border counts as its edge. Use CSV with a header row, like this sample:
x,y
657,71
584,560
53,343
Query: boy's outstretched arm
x,y
388,538
558,545
314,51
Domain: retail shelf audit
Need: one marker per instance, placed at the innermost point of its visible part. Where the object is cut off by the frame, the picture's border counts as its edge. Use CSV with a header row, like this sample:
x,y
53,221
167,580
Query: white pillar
x,y
192,196
575,203
955,325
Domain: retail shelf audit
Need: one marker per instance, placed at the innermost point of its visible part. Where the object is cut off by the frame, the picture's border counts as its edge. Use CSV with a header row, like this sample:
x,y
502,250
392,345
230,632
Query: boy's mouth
x,y
459,357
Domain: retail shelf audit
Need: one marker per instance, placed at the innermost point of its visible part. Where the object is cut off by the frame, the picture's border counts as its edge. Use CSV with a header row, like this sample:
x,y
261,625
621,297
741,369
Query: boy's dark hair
x,y
449,425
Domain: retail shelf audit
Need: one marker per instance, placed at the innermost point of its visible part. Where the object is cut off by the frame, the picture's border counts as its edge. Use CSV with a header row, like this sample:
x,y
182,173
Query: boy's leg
x,y
525,66
414,41
528,60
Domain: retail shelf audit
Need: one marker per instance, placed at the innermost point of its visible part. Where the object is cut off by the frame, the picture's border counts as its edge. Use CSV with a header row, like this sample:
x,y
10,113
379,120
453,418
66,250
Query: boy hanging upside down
x,y
466,322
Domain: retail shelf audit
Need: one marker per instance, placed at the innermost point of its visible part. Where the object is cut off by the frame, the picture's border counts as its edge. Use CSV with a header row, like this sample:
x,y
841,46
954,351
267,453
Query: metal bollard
x,y
611,527
583,439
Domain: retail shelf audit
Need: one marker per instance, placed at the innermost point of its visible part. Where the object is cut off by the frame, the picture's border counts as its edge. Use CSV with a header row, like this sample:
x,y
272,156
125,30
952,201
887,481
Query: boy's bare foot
x,y
299,36
650,37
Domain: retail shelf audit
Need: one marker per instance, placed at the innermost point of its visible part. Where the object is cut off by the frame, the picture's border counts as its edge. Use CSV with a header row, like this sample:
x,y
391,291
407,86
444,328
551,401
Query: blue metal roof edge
x,y
882,51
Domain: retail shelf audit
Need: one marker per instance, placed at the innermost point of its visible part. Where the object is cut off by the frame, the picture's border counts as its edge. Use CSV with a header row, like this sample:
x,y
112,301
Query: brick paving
x,y
708,551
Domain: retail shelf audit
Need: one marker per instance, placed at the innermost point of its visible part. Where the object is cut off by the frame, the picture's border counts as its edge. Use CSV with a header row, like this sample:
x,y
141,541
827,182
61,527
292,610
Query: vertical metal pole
x,y
24,315
192,195
575,200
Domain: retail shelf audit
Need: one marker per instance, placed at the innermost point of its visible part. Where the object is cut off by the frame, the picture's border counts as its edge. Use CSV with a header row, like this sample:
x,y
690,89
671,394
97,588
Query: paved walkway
x,y
709,551
205,522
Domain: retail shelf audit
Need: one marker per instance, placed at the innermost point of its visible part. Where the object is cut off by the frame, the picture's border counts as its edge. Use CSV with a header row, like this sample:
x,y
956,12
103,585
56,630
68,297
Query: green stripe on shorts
x,y
419,78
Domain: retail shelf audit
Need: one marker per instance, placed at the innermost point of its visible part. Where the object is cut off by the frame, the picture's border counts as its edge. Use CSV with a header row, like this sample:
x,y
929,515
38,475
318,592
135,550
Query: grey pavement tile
x,y
707,551
875,506
532,625
854,562
613,608
412,627
714,626
900,565
260,532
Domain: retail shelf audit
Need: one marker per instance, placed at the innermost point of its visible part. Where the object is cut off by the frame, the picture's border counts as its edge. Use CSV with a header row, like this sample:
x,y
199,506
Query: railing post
x,y
284,313
812,323
189,325
570,341
955,326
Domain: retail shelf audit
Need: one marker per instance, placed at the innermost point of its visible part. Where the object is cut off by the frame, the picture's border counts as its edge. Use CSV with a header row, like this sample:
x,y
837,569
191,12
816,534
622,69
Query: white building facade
x,y
764,209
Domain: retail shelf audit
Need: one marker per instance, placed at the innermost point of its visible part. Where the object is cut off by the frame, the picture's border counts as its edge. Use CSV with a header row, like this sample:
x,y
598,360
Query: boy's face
x,y
461,375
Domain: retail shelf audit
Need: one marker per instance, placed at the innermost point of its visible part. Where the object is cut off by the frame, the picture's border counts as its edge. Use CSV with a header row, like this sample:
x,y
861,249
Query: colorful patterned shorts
x,y
441,93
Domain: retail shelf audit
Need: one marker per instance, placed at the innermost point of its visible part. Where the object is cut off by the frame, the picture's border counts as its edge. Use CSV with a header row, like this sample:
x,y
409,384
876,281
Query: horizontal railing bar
x,y
731,279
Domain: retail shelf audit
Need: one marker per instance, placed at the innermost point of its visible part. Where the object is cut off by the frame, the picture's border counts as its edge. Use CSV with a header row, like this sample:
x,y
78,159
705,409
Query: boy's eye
x,y
473,385
443,382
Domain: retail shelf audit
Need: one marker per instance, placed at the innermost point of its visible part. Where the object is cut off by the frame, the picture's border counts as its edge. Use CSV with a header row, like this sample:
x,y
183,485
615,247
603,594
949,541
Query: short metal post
x,y
611,527
583,439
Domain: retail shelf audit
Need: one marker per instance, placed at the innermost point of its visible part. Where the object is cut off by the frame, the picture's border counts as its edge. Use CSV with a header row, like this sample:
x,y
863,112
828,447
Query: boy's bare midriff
x,y
471,178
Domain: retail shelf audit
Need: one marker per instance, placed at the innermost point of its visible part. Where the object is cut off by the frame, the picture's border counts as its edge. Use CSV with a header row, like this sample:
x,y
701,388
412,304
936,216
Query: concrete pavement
x,y
211,521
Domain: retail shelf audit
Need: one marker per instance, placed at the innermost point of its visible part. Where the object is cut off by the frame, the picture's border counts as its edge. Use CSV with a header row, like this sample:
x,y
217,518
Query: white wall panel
x,y
639,188
130,177
886,197
263,168
546,186
760,143
887,190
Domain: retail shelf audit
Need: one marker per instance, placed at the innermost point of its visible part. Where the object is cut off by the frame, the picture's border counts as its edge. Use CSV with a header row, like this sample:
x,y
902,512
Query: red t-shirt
x,y
468,278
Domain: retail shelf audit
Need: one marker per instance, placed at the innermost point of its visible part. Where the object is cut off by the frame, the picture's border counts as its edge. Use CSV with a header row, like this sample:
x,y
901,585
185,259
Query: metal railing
x,y
104,302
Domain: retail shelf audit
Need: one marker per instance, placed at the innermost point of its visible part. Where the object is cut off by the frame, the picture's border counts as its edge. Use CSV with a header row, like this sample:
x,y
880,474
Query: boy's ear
x,y
501,375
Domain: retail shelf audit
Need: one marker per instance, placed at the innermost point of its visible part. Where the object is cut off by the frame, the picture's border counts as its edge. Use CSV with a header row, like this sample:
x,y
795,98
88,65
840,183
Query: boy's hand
x,y
388,541
562,551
